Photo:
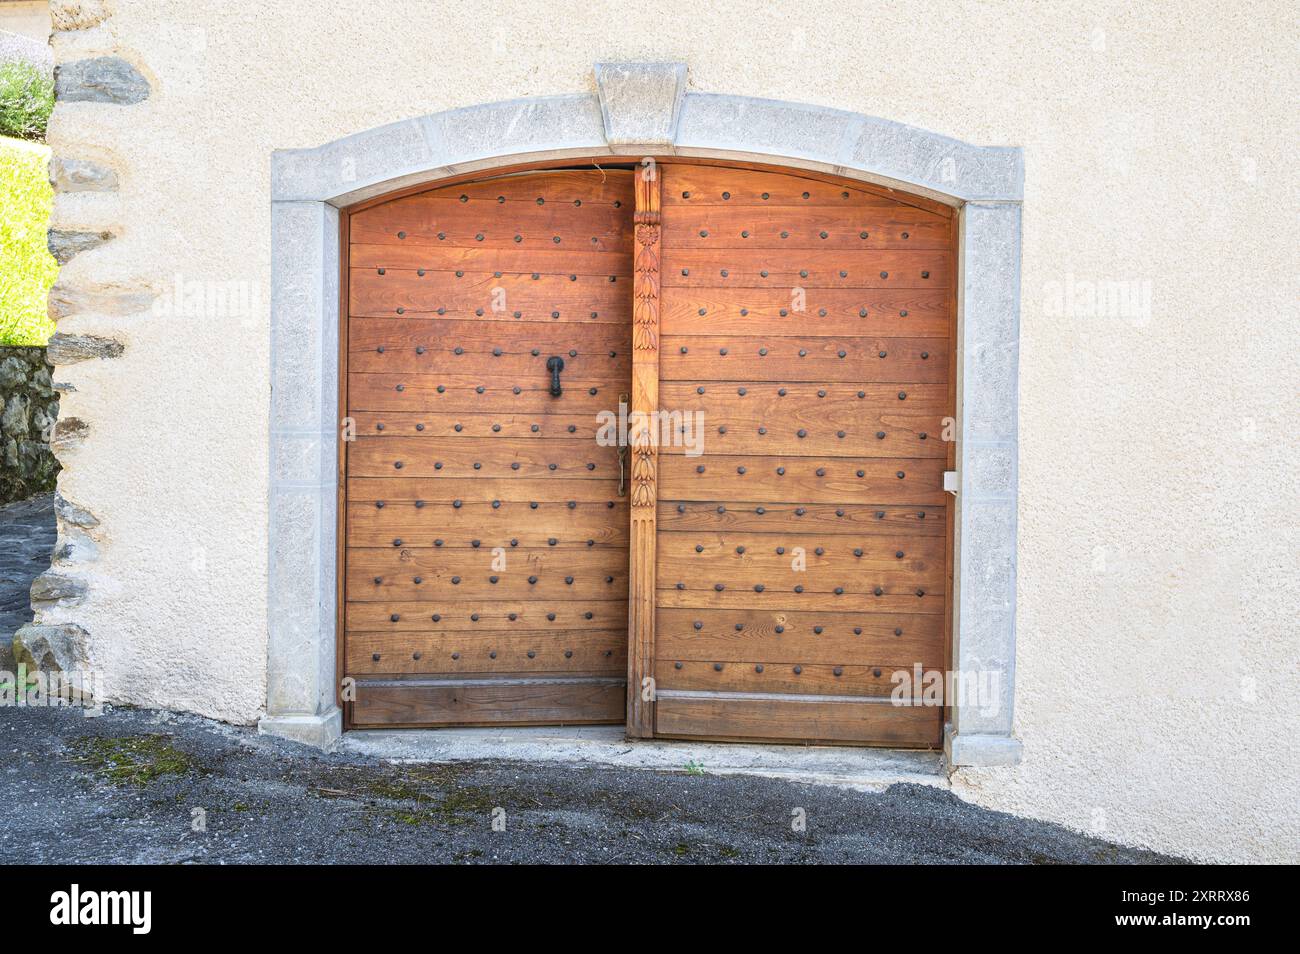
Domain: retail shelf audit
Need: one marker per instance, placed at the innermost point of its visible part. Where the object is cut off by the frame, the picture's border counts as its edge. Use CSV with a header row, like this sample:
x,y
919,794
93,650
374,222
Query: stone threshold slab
x,y
861,769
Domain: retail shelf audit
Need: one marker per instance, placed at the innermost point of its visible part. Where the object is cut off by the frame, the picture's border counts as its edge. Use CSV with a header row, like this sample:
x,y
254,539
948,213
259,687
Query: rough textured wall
x,y
29,407
1157,642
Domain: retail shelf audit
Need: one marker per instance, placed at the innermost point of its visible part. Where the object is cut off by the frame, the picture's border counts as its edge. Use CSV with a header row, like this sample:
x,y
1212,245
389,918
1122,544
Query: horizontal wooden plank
x,y
507,423
493,616
772,717
852,228
441,525
426,220
826,520
841,359
702,556
508,573
702,582
596,186
517,368
806,480
494,457
490,702
807,268
695,186
885,312
484,393
729,423
481,491
770,677
574,651
447,346
484,296
778,400
557,260
792,637
895,598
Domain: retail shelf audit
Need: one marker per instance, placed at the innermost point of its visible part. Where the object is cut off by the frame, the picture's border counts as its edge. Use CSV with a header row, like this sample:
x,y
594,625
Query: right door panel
x,y
803,543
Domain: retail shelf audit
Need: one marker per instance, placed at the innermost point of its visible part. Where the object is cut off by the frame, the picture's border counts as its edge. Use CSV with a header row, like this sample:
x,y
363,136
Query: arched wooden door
x,y
486,560
804,329
774,547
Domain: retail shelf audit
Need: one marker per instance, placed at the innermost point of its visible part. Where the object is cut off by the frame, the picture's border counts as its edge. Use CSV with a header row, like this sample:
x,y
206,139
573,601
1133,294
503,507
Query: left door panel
x,y
486,529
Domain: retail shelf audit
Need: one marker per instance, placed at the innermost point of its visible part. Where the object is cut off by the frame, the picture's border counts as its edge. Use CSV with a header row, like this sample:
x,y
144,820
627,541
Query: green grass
x,y
27,270
134,760
26,101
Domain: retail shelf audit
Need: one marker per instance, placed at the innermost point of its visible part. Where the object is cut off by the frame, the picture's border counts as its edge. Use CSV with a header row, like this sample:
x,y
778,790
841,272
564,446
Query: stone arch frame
x,y
637,109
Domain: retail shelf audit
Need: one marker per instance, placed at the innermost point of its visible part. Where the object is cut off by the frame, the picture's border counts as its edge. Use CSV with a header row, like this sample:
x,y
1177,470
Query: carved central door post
x,y
643,435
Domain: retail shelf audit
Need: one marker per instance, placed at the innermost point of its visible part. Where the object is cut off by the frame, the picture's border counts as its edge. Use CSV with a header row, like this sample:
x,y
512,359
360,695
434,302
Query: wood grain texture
x,y
821,360
485,530
493,616
789,229
546,298
806,268
810,480
783,519
494,701
644,453
482,392
602,652
801,328
388,574
769,677
773,312
802,554
797,637
702,184
788,718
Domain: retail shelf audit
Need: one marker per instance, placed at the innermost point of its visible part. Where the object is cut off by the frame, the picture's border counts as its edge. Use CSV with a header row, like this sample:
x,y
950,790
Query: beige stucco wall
x,y
30,18
1157,638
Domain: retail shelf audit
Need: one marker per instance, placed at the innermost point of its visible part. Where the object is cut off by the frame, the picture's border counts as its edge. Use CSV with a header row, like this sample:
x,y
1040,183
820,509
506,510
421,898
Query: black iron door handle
x,y
555,364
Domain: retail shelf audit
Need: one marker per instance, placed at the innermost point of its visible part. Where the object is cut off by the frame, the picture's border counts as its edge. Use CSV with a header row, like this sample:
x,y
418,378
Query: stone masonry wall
x,y
29,406
85,218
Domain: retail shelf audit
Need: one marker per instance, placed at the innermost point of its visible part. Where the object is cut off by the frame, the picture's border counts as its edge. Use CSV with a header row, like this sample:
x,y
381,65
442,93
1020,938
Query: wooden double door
x,y
660,445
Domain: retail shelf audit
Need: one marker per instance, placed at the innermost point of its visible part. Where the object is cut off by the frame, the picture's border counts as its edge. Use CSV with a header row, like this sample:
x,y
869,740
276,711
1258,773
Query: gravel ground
x,y
139,786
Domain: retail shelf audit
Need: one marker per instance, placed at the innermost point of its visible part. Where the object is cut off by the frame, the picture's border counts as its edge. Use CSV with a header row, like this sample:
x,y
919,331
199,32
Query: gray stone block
x,y
61,647
51,587
68,433
65,349
81,175
70,513
66,243
68,299
102,79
